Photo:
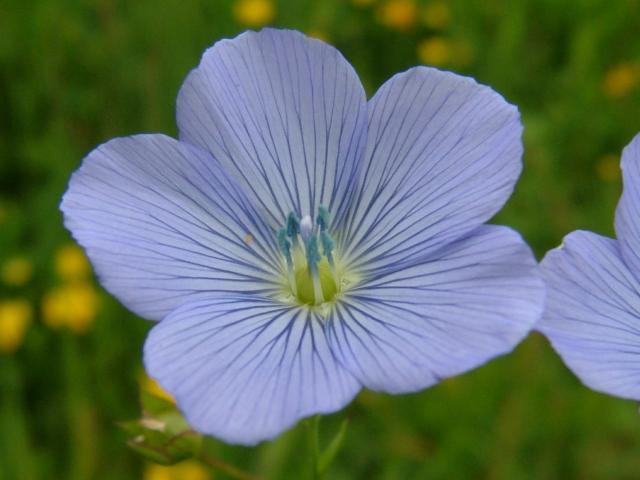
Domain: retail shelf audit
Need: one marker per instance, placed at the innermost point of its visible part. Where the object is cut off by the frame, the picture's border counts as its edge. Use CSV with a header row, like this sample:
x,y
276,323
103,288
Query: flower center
x,y
308,250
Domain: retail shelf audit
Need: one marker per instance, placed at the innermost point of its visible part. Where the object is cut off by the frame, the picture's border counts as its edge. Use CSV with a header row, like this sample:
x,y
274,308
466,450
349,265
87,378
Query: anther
x,y
327,249
327,246
293,228
285,248
284,243
323,218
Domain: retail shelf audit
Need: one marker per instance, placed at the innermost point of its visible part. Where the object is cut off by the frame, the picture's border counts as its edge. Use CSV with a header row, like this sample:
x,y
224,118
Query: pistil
x,y
313,258
306,229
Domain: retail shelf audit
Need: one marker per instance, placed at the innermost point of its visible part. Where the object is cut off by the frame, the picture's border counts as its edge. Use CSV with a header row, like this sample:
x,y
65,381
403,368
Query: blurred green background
x,y
75,73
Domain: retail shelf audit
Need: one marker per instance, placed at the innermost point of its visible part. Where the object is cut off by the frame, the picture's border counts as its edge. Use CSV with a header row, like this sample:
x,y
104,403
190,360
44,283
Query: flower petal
x,y
405,330
245,369
628,211
285,114
161,221
443,155
593,313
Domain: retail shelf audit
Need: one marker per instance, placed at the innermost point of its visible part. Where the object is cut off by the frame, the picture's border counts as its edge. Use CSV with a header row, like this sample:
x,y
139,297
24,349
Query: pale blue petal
x,y
443,155
593,313
286,116
245,369
403,331
161,222
628,211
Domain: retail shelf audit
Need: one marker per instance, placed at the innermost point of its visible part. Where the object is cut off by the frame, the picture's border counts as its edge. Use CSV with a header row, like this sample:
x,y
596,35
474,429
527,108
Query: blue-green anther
x,y
293,227
327,245
323,218
285,245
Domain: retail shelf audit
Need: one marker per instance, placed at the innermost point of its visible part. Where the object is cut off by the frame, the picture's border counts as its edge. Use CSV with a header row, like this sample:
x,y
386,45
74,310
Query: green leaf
x,y
174,422
166,449
162,435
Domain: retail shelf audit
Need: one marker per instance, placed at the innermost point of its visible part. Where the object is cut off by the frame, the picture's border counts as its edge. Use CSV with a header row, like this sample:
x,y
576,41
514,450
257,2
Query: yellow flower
x,y
15,317
398,14
16,271
621,80
608,168
187,470
71,263
437,15
73,306
254,13
153,387
435,51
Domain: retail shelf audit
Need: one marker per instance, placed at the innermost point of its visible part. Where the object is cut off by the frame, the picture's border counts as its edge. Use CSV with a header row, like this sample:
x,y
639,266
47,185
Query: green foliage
x,y
75,73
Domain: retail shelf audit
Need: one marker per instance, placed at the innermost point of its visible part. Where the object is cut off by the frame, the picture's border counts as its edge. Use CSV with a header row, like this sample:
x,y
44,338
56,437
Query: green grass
x,y
75,73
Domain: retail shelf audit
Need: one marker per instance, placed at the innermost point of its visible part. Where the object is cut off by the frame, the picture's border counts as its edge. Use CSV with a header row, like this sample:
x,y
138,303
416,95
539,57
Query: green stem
x,y
225,468
16,456
314,446
81,422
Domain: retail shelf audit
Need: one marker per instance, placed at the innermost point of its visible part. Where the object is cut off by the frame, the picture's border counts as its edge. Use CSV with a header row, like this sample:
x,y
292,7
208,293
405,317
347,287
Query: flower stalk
x,y
230,470
321,459
313,435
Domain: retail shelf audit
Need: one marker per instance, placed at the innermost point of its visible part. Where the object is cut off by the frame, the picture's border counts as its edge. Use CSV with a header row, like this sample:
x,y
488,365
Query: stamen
x,y
284,244
313,257
285,248
327,249
293,228
323,218
327,246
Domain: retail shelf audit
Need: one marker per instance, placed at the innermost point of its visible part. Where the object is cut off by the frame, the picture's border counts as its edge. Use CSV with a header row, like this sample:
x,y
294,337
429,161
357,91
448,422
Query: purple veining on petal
x,y
593,313
273,128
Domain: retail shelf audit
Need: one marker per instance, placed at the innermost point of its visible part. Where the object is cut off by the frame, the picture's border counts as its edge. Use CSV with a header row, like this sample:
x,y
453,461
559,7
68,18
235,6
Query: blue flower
x,y
593,307
299,243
